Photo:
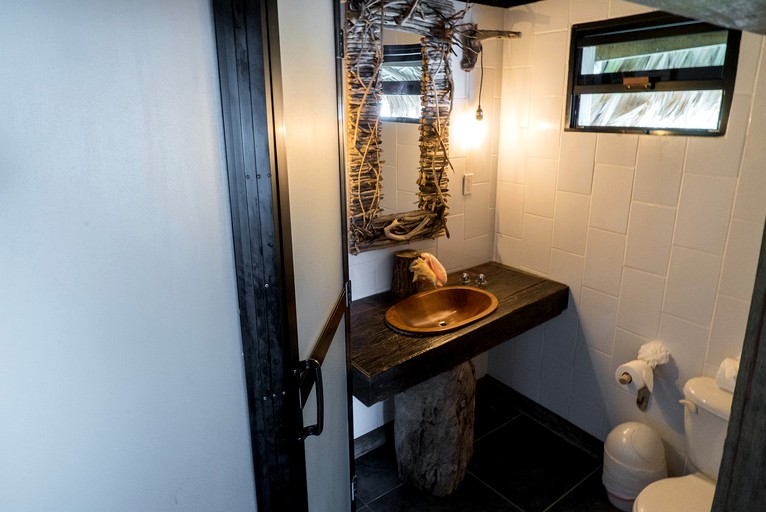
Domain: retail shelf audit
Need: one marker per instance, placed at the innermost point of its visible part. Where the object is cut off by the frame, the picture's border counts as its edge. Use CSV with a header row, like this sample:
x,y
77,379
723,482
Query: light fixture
x,y
479,111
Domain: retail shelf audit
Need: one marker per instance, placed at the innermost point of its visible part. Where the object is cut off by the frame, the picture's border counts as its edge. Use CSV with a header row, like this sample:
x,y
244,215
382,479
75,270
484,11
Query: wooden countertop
x,y
385,362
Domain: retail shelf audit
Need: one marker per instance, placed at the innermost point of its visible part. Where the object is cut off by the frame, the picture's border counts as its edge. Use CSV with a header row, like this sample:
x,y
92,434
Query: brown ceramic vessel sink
x,y
442,310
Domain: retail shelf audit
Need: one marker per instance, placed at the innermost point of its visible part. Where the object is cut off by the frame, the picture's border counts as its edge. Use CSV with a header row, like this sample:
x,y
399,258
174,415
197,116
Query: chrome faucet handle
x,y
481,280
465,278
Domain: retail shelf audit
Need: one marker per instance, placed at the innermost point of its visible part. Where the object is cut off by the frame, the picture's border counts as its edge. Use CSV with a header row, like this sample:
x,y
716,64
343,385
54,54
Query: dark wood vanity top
x,y
385,362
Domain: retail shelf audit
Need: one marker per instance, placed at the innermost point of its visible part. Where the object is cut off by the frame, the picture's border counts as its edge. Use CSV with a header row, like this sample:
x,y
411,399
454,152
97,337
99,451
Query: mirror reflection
x,y
374,220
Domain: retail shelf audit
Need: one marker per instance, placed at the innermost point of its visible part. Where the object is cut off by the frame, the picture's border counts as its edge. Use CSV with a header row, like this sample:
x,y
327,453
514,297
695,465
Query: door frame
x,y
247,42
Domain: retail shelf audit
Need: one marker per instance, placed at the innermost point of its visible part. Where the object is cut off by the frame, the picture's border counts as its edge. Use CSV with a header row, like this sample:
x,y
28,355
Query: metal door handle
x,y
310,369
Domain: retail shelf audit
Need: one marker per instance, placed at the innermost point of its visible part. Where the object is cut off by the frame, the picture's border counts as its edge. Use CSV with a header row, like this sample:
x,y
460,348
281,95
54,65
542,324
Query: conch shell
x,y
427,267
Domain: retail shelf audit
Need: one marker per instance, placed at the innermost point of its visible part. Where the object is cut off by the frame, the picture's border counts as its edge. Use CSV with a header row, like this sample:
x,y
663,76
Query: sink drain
x,y
442,323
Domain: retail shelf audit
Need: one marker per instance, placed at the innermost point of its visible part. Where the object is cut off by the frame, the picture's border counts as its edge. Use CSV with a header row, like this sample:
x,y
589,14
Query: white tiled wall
x,y
473,149
657,237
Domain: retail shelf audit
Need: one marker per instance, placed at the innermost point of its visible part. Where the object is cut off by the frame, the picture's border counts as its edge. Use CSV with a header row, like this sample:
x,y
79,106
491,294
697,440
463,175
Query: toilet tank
x,y
706,417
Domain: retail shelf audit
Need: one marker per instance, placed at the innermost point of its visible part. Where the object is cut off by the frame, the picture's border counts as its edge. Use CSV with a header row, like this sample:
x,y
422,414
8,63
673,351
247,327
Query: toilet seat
x,y
691,493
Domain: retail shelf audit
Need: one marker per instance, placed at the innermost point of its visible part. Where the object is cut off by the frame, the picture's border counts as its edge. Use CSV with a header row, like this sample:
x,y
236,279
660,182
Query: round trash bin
x,y
634,457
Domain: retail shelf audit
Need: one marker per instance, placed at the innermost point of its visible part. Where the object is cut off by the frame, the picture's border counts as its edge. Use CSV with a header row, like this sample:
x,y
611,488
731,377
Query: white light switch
x,y
468,184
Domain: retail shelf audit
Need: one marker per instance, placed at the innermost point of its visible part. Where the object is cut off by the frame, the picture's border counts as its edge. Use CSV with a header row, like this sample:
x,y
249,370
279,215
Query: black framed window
x,y
400,76
654,73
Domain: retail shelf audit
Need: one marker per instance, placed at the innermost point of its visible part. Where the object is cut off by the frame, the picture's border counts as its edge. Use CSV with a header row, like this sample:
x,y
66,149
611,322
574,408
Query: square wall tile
x,y
407,163
512,159
749,51
728,332
603,261
555,386
450,250
567,268
640,302
550,68
570,223
582,11
507,250
687,343
658,169
536,243
616,149
510,209
620,407
526,382
704,211
751,192
721,156
650,236
619,8
550,15
528,349
588,415
544,127
540,189
476,211
560,337
592,373
364,279
518,52
741,259
478,250
692,285
407,133
578,151
598,318
612,189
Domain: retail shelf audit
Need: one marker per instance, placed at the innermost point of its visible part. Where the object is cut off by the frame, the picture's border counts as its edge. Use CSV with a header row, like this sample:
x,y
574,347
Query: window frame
x,y
640,27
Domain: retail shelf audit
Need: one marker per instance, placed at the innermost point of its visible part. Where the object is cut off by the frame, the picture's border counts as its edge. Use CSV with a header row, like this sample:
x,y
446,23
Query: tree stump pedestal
x,y
433,430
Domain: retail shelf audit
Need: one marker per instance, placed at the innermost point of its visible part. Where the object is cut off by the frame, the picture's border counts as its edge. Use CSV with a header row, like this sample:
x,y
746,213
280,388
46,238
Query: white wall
x,y
121,377
473,149
657,237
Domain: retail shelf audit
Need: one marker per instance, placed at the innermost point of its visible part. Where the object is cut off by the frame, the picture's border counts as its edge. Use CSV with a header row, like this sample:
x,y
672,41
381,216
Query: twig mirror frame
x,y
436,22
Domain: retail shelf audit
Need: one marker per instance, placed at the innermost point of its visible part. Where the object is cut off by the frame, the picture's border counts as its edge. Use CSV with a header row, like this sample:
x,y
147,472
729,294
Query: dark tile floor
x,y
519,465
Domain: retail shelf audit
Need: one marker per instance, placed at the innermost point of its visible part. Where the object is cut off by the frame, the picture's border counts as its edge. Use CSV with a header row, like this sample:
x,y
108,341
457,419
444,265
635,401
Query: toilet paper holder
x,y
639,372
642,394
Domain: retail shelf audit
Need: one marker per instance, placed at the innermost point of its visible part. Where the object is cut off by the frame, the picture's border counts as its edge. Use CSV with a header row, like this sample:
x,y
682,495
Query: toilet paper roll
x,y
726,377
640,374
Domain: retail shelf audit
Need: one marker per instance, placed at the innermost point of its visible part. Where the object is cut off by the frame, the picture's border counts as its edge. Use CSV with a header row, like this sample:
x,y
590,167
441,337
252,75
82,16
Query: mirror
x,y
435,22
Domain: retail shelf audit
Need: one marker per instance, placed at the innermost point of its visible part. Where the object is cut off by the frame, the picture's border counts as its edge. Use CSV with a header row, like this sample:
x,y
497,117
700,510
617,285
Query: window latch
x,y
636,82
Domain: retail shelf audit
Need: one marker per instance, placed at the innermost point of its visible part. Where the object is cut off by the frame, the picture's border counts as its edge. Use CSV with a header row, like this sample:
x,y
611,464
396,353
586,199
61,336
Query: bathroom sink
x,y
442,310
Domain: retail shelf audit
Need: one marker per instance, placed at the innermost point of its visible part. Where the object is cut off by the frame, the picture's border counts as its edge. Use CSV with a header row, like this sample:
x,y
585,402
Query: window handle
x,y
636,82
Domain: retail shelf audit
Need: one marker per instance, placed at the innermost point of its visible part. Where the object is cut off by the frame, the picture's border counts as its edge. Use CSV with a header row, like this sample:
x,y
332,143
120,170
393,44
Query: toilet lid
x,y
692,493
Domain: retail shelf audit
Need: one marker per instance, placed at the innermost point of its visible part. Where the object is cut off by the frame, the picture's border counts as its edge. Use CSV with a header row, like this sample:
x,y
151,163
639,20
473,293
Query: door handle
x,y
309,373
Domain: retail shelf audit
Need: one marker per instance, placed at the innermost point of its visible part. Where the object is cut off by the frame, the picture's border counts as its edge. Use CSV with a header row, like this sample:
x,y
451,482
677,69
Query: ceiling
x,y
749,15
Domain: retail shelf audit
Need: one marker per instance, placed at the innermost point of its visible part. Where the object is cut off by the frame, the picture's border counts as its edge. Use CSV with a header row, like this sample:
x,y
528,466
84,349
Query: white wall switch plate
x,y
468,184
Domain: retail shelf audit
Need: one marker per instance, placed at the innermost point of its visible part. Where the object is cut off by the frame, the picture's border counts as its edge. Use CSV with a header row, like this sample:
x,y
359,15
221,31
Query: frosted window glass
x,y
400,106
693,110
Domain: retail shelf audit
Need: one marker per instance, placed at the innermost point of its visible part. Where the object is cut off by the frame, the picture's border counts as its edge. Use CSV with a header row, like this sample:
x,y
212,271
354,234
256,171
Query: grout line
x,y
485,484
370,503
572,489
499,427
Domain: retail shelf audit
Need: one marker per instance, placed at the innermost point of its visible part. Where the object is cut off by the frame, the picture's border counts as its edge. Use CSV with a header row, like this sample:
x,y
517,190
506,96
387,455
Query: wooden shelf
x,y
385,362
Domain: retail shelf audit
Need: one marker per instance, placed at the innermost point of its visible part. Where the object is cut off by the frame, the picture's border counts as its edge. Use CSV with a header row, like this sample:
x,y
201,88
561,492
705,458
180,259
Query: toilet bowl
x,y
706,416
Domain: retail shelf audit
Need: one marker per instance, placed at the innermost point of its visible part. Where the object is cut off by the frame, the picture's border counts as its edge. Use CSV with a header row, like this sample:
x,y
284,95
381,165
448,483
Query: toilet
x,y
706,416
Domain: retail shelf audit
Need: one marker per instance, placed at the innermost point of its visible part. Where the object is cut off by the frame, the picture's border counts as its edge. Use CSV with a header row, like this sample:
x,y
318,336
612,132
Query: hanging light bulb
x,y
479,111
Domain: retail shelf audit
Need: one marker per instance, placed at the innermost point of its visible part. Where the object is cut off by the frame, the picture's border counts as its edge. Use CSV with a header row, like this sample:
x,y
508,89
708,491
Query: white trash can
x,y
634,457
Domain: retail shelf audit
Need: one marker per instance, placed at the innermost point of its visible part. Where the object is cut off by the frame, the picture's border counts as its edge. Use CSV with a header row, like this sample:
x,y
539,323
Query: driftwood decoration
x,y
437,22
